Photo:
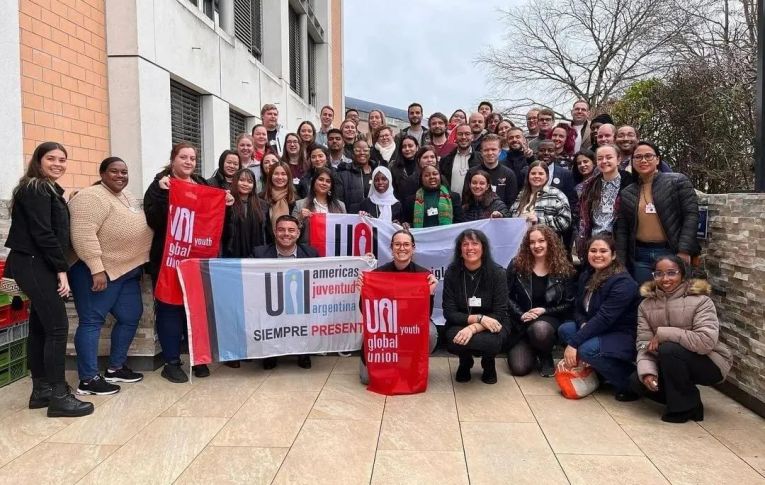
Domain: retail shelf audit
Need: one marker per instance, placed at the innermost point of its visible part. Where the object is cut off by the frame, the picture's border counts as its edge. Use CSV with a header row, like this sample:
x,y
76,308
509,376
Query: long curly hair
x,y
556,260
599,277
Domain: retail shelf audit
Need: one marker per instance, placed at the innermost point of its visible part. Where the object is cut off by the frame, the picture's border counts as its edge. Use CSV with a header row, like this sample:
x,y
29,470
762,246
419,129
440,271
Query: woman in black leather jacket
x,y
540,282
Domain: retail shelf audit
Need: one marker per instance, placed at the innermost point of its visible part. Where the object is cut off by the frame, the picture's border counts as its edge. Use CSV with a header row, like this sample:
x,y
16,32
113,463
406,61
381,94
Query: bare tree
x,y
562,50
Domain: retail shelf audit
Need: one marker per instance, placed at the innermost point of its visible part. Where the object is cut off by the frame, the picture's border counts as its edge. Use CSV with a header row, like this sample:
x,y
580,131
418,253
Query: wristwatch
x,y
480,317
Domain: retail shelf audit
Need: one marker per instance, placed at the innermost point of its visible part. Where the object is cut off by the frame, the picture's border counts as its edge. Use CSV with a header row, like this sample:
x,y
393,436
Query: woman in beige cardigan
x,y
112,240
678,341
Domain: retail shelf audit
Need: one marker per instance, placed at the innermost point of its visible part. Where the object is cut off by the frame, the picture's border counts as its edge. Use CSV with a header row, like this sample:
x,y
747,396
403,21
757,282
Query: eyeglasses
x,y
291,142
405,245
661,274
648,157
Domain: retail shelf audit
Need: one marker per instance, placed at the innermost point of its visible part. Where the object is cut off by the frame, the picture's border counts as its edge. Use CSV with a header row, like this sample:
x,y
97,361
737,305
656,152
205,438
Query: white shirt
x,y
459,170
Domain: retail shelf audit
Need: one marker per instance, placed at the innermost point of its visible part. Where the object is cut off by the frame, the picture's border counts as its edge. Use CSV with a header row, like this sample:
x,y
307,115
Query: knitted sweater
x,y
106,234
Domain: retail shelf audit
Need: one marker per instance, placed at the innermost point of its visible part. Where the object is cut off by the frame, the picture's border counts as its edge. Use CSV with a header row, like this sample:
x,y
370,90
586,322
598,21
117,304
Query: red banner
x,y
395,309
194,224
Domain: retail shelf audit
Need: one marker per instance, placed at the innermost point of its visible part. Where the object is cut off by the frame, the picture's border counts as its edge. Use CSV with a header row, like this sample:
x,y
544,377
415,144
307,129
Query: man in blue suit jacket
x,y
286,234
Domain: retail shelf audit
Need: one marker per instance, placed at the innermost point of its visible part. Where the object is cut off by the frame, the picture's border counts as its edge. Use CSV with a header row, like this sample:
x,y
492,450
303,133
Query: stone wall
x,y
734,259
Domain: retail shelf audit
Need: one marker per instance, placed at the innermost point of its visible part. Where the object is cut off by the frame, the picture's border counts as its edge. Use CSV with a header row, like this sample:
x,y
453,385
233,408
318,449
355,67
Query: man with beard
x,y
455,165
519,156
560,177
477,127
627,138
336,145
415,128
437,135
580,115
503,180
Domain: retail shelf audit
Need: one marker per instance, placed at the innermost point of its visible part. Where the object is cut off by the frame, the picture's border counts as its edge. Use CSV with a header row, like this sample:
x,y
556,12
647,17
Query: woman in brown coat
x,y
678,341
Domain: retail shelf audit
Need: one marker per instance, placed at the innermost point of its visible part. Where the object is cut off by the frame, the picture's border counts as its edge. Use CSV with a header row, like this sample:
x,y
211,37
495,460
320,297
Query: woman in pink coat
x,y
678,341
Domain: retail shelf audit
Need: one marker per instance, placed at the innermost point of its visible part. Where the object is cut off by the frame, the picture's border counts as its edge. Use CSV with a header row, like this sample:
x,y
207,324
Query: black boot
x,y
41,392
489,375
463,371
304,361
64,405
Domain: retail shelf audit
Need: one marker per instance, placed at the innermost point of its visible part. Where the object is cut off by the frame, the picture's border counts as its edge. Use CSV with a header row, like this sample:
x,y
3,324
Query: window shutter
x,y
186,118
294,53
237,125
248,24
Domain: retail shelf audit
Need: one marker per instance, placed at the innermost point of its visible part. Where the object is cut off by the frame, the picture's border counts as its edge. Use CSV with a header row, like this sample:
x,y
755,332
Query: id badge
x,y
494,188
474,302
296,181
607,209
433,211
650,208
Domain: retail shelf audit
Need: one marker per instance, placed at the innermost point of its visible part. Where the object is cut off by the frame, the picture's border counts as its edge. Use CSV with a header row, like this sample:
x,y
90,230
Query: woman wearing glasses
x,y
402,246
678,341
658,215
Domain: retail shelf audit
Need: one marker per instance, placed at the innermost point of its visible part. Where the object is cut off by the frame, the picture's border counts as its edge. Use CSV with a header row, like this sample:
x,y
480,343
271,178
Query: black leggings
x,y
538,340
48,323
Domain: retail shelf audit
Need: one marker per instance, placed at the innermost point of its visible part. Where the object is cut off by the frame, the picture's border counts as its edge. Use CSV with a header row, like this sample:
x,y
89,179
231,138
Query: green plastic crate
x,y
12,352
13,372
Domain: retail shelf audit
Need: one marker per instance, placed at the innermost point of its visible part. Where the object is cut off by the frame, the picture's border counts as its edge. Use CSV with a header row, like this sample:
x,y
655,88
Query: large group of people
x,y
605,216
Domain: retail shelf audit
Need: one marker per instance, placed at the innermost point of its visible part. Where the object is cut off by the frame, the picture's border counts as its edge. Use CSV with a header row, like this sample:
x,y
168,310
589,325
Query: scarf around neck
x,y
445,214
386,153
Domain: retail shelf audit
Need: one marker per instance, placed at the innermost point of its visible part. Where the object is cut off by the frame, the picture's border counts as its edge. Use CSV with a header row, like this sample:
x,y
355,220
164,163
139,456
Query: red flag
x,y
194,225
396,309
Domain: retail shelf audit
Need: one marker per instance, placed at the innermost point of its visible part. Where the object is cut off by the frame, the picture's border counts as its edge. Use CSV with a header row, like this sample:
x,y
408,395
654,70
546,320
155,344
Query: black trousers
x,y
680,371
48,323
484,344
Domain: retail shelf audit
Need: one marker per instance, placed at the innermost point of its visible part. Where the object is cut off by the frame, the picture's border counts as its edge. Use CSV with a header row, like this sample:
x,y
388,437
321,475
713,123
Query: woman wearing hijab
x,y
381,202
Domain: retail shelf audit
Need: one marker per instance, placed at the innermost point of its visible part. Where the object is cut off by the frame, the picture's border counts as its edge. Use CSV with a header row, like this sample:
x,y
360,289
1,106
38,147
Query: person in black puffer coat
x,y
658,215
356,178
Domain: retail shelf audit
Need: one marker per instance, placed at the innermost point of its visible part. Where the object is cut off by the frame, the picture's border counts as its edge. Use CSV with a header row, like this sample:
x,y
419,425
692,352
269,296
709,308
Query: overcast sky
x,y
399,51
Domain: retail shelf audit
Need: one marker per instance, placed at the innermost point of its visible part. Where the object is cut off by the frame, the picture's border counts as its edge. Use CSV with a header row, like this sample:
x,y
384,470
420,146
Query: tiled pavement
x,y
290,425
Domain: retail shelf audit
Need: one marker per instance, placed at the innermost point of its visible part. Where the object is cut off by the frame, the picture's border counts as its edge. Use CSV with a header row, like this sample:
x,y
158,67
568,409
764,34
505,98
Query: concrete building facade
x,y
130,77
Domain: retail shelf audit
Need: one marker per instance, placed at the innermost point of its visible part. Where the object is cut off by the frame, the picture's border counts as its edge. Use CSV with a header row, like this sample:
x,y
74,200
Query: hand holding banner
x,y
194,225
396,309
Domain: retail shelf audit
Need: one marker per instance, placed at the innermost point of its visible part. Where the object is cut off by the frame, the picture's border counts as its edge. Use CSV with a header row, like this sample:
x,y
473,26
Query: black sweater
x,y
40,224
412,268
491,289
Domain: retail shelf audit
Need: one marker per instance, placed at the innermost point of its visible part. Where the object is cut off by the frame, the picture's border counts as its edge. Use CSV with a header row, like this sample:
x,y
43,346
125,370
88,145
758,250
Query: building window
x,y
237,124
296,42
186,118
311,71
248,25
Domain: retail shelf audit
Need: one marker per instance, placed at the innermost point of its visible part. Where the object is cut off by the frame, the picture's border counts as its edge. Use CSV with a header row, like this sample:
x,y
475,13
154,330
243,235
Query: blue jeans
x,y
170,321
615,371
642,266
121,298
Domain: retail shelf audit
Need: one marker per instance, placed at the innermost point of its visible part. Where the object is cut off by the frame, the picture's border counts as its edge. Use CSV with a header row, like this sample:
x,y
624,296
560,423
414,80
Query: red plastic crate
x,y
21,314
5,316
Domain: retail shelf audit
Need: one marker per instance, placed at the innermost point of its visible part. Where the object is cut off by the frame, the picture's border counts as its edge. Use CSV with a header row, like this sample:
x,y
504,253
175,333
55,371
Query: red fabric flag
x,y
395,309
194,226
